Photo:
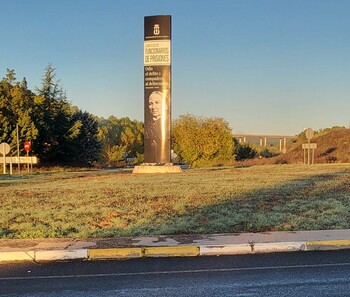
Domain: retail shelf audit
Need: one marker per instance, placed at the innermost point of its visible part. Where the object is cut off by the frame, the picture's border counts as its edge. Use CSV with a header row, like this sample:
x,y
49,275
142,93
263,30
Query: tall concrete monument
x,y
157,94
157,88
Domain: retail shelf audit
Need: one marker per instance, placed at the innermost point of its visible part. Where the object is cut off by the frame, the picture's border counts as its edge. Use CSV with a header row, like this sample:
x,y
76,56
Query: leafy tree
x,y
202,141
119,136
16,108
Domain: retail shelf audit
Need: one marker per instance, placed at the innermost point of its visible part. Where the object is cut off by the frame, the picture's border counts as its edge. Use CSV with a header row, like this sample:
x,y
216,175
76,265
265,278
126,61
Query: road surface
x,y
288,274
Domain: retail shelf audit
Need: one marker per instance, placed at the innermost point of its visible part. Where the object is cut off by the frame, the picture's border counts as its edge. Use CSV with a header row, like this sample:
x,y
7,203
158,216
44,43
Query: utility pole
x,y
19,162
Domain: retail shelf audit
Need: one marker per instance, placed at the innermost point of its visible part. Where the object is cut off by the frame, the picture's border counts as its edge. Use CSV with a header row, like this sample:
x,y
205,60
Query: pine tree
x,y
52,117
84,147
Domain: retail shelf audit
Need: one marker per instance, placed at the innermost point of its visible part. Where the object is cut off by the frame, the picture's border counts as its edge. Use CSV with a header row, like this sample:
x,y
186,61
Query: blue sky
x,y
266,66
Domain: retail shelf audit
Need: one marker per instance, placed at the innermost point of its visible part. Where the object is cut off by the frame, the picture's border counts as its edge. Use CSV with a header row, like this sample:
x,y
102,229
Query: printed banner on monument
x,y
157,88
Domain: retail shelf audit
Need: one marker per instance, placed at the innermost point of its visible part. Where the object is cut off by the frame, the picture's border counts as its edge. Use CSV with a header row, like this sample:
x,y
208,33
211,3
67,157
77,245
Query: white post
x,y
19,162
28,161
10,165
4,163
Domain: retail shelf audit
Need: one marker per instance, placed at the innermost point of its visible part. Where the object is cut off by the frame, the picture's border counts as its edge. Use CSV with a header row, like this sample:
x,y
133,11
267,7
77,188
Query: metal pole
x,y
4,163
19,162
10,165
28,161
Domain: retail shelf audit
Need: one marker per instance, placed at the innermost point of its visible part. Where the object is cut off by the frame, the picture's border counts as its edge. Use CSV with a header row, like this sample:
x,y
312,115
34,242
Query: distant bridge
x,y
263,139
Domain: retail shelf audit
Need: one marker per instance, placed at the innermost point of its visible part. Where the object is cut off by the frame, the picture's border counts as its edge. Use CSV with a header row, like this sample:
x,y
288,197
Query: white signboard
x,y
30,160
309,146
157,53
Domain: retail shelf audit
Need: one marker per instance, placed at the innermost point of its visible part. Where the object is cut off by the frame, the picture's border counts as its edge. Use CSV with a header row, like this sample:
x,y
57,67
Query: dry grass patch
x,y
116,203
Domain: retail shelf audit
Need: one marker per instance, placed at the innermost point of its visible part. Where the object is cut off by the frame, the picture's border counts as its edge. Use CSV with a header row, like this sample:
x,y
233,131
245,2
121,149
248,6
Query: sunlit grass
x,y
117,203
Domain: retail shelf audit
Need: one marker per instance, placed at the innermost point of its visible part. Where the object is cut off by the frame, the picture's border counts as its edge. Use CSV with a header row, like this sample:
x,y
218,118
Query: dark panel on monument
x,y
157,88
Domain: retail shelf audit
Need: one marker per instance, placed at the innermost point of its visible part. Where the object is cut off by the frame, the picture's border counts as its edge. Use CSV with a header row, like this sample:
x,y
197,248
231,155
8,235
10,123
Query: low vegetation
x,y
218,200
333,146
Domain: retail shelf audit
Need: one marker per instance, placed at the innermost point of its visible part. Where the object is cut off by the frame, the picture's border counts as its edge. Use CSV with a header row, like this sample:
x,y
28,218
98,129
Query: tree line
x,y
62,134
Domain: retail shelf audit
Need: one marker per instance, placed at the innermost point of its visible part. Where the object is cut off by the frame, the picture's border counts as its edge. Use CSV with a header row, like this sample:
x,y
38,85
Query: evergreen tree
x,y
84,147
7,118
245,151
52,118
16,108
60,133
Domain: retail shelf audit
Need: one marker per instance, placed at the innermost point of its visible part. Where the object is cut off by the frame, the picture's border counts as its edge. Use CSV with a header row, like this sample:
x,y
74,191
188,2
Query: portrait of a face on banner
x,y
157,126
157,89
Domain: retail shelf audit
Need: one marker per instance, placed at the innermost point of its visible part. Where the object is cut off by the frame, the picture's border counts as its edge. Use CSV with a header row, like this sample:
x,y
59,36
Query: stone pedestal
x,y
157,168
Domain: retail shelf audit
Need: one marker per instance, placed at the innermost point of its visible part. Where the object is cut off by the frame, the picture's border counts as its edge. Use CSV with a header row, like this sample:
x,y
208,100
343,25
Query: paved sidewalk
x,y
170,246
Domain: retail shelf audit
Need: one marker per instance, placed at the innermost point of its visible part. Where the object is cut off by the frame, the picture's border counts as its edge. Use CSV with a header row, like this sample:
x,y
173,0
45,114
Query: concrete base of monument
x,y
157,168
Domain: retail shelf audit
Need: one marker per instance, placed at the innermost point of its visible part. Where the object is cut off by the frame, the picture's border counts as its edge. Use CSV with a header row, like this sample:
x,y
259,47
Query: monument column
x,y
157,96
157,88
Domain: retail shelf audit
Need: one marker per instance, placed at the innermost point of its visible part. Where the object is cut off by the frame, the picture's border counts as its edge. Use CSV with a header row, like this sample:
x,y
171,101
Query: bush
x,y
245,151
201,141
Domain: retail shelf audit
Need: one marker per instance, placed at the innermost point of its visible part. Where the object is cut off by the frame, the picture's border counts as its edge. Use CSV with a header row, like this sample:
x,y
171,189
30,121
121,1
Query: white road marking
x,y
168,272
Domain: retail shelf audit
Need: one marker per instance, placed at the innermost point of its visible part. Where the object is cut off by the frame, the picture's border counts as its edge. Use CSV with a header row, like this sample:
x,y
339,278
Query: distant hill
x,y
333,146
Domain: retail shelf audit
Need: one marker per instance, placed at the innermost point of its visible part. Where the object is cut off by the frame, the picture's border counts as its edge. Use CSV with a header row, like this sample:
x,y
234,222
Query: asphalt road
x,y
289,274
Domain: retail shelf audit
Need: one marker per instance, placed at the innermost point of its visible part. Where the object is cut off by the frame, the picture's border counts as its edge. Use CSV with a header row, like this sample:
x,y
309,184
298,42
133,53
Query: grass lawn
x,y
227,199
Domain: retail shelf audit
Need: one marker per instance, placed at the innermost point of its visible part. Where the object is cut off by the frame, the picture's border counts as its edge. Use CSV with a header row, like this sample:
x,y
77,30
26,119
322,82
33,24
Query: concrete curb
x,y
55,255
17,256
217,250
172,251
279,247
115,253
325,245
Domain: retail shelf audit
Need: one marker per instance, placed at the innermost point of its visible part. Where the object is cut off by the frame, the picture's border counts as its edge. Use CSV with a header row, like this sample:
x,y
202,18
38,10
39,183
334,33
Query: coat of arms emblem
x,y
156,29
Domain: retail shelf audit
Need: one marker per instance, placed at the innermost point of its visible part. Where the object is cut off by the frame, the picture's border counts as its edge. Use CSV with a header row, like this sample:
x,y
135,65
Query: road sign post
x,y
309,133
27,145
309,146
4,150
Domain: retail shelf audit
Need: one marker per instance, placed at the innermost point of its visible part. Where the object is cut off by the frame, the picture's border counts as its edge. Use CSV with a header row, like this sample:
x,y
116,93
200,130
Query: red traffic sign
x,y
27,146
